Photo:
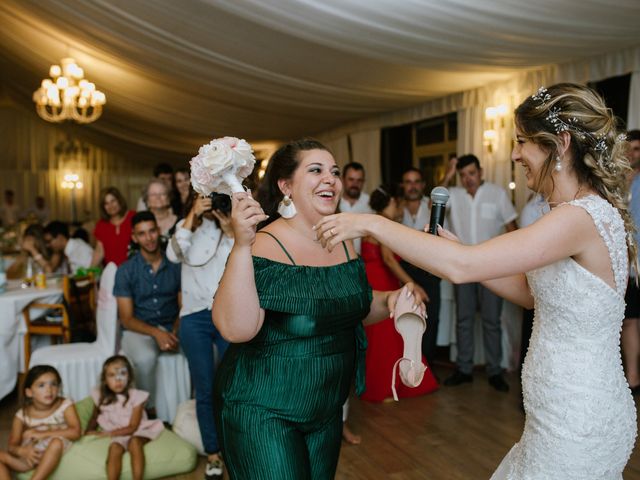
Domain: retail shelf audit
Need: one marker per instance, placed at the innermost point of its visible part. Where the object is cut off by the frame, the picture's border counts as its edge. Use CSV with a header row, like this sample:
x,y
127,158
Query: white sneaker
x,y
214,470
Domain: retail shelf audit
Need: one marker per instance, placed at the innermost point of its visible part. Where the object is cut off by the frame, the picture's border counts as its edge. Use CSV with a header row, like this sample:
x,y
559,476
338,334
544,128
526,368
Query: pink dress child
x,y
118,415
53,422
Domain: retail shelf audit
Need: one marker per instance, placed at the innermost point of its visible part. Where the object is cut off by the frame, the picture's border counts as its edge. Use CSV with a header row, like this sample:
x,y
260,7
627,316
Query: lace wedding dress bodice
x,y
580,415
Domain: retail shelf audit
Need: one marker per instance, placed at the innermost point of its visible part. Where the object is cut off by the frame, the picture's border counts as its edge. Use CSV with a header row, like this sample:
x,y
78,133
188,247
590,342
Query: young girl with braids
x,y
571,265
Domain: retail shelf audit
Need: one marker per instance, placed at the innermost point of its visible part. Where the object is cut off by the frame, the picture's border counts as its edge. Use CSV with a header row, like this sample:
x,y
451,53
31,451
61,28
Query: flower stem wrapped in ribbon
x,y
221,165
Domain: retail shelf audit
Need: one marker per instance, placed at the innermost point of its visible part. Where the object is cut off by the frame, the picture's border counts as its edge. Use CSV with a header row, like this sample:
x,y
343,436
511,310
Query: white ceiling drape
x,y
179,73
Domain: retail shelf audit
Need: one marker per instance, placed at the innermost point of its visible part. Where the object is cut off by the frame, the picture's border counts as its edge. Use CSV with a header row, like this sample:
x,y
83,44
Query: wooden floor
x,y
456,433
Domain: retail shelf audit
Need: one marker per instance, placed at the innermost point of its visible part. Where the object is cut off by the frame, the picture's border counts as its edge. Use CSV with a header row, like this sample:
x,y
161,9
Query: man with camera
x,y
202,242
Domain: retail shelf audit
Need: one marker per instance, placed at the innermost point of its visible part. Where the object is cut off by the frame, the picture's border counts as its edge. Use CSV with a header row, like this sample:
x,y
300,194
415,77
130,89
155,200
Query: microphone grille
x,y
439,195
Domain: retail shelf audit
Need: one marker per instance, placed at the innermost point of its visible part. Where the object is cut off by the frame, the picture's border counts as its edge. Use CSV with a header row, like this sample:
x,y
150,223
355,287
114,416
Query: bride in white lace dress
x,y
571,265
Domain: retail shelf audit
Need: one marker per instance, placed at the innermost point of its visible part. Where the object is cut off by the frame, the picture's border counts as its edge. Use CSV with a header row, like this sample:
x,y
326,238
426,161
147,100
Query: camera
x,y
220,202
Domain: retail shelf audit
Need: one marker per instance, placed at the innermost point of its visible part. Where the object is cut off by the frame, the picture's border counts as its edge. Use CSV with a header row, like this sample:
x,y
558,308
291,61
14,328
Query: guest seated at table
x,y
147,288
82,234
35,248
74,253
113,230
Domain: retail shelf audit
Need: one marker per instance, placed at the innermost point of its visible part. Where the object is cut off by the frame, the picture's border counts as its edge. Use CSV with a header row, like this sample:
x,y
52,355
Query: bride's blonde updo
x,y
598,150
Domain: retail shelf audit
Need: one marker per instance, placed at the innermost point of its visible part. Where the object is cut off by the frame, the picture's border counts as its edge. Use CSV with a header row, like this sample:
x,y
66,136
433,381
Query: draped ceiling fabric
x,y
177,74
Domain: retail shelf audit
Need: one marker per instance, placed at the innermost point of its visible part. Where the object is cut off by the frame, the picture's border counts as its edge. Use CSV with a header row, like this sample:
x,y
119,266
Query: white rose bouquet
x,y
221,166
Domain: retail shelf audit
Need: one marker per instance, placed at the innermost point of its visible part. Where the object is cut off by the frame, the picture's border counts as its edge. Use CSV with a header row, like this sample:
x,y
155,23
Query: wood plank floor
x,y
454,434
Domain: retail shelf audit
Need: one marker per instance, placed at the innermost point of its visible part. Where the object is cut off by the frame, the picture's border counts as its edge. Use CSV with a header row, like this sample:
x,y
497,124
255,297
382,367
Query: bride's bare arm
x,y
562,233
514,288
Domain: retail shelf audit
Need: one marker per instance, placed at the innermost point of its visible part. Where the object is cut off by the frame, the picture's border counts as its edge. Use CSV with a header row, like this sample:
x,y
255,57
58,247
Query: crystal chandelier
x,y
67,95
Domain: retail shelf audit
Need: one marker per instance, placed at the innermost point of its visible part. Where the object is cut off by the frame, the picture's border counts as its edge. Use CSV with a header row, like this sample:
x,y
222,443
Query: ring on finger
x,y
332,232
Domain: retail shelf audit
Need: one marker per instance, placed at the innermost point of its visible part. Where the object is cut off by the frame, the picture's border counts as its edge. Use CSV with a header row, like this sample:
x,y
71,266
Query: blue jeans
x,y
197,337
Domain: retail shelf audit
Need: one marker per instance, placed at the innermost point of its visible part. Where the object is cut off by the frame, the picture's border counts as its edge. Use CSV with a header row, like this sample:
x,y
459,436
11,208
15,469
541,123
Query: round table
x,y
12,327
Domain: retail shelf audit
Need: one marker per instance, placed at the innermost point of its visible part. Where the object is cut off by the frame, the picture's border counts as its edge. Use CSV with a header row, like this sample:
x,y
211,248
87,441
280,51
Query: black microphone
x,y
439,199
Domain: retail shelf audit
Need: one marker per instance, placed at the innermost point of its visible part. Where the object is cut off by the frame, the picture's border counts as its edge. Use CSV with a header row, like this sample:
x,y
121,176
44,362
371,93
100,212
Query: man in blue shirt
x,y
147,288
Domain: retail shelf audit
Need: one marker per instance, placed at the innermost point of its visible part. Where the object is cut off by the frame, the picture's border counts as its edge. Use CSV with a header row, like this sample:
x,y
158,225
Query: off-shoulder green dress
x,y
278,398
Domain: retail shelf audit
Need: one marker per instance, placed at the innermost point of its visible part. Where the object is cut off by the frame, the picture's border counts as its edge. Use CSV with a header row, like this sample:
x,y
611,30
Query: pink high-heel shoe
x,y
410,323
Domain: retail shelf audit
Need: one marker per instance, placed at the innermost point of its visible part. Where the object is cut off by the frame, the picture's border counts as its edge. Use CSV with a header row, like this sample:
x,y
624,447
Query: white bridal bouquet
x,y
221,165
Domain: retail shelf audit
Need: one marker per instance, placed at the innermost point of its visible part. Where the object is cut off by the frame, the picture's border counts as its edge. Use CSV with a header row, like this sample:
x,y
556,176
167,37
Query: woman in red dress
x,y
113,230
385,345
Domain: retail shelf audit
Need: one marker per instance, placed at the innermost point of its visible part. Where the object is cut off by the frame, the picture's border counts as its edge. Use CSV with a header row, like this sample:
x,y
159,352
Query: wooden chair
x,y
77,312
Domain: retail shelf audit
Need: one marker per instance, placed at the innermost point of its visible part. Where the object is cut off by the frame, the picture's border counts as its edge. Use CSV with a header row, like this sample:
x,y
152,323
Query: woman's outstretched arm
x,y
514,288
562,233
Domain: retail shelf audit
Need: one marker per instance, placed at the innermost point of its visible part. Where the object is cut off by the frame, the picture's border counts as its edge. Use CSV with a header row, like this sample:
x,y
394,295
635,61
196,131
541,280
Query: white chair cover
x,y
80,364
186,426
173,384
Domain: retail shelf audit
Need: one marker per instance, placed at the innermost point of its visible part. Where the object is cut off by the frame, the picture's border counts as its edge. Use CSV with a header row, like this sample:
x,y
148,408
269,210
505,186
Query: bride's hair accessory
x,y
572,124
542,95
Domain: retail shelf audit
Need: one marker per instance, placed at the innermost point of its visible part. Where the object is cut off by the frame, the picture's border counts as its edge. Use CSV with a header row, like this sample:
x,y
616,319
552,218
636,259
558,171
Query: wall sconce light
x,y
491,114
494,121
490,137
71,181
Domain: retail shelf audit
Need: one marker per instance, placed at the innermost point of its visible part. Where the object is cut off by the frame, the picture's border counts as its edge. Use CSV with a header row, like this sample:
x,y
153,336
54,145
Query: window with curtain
x,y
427,145
434,143
615,91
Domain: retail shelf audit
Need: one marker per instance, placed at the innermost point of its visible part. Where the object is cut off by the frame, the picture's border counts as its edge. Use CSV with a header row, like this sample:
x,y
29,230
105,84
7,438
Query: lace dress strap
x,y
611,228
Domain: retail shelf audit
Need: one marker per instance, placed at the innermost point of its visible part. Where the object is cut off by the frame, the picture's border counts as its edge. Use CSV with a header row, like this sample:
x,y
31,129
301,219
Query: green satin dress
x,y
278,398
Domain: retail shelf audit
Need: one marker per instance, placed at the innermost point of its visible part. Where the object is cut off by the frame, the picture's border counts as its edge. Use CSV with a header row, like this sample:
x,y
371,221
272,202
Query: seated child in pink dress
x,y
42,429
121,416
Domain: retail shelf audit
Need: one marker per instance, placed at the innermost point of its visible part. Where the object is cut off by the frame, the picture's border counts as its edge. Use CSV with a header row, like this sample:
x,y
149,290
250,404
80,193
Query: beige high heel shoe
x,y
410,323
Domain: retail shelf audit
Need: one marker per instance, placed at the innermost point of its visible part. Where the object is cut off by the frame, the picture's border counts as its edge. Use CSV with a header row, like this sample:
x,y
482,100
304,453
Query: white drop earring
x,y
286,208
558,166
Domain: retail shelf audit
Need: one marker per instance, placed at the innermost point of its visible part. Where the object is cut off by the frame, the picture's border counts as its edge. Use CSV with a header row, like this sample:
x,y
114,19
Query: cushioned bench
x,y
86,459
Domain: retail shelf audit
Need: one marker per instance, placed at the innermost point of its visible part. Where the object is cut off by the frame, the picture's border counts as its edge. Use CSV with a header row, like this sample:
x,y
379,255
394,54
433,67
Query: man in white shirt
x,y
477,211
416,215
353,199
76,252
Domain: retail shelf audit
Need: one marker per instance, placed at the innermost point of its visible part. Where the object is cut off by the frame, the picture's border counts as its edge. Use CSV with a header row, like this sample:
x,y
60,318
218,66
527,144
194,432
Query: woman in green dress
x,y
293,312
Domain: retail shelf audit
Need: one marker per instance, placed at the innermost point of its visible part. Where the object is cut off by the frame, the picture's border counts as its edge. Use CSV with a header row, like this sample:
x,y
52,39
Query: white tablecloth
x,y
12,328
